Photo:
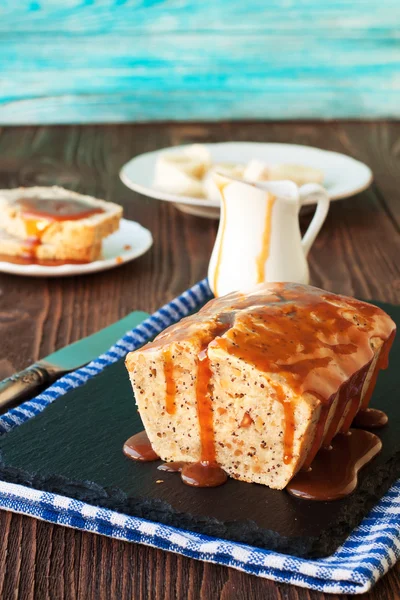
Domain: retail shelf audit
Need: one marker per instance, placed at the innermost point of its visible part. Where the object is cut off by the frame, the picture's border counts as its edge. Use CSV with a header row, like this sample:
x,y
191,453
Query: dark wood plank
x,y
377,144
356,253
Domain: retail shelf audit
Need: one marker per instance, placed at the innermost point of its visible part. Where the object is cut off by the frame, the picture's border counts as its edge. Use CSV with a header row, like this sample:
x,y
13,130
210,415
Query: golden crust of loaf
x,y
250,419
82,232
13,246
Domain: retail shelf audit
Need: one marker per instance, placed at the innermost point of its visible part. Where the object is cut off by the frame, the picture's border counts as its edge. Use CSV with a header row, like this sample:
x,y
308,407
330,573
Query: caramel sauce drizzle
x,y
172,467
370,418
349,397
354,397
204,395
170,394
35,231
381,364
51,209
266,240
205,410
138,447
318,435
205,472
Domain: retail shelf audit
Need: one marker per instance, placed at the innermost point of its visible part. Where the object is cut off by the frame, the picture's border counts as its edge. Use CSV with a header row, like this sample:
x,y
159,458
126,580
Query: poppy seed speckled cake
x,y
258,382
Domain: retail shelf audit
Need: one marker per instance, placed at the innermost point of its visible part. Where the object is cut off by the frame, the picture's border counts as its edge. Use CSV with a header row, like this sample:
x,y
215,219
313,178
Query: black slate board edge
x,y
368,493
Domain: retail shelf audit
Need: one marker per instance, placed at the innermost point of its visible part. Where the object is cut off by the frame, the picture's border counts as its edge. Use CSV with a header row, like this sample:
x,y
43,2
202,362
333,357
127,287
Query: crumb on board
x,y
119,260
127,247
160,481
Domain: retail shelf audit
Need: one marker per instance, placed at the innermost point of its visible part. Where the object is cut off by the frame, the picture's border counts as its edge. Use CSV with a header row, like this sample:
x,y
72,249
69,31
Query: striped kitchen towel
x,y
367,554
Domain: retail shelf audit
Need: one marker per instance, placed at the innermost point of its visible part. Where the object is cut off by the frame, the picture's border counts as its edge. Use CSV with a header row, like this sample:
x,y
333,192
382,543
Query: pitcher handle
x,y
320,195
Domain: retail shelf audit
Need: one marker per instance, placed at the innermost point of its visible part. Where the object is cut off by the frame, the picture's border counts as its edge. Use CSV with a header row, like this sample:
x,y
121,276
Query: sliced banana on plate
x,y
190,172
182,172
256,170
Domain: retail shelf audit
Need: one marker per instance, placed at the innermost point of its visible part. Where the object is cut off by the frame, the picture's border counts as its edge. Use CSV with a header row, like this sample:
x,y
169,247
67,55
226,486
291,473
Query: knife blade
x,y
35,378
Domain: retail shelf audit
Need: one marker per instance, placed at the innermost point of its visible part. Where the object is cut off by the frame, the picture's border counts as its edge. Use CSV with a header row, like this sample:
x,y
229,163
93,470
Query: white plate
x,y
130,234
344,176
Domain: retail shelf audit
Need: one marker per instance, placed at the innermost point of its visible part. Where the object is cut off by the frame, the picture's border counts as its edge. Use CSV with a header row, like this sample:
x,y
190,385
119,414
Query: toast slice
x,y
28,252
259,382
83,232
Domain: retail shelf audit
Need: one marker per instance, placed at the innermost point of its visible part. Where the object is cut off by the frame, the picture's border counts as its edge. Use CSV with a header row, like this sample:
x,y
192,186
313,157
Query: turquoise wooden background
x,y
72,61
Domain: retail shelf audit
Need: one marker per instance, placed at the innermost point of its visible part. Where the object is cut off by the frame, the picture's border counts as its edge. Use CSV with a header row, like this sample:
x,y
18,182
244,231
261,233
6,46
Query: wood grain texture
x,y
112,61
356,253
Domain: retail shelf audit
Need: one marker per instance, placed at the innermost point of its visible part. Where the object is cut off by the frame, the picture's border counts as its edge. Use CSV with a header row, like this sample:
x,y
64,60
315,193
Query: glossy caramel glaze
x,y
138,447
382,363
370,418
172,467
203,474
50,209
200,474
334,471
304,340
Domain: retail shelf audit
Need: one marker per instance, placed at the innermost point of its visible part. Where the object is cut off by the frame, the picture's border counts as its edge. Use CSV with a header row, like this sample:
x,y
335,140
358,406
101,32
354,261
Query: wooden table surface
x,y
356,253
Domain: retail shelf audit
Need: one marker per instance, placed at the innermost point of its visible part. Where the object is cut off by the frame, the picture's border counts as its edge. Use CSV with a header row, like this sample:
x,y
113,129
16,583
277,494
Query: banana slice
x,y
199,154
182,172
256,170
190,172
300,174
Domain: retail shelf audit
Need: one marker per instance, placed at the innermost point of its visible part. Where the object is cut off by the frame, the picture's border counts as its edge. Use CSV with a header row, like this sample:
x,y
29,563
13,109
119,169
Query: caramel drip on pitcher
x,y
221,241
266,240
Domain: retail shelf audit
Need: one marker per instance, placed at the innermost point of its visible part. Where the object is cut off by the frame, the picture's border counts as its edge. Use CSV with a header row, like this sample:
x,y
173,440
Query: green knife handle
x,y
23,385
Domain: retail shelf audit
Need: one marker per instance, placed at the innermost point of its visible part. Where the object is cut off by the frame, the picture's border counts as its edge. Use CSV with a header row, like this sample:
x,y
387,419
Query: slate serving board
x,y
74,448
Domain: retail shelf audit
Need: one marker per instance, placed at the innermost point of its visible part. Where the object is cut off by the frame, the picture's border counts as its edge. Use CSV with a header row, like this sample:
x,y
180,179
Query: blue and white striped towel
x,y
367,554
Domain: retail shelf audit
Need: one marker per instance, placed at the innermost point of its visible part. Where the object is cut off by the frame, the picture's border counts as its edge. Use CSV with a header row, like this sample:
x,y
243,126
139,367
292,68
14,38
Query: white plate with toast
x,y
129,242
343,176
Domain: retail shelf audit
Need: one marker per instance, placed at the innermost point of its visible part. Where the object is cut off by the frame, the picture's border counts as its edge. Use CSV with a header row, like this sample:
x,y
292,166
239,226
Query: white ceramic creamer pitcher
x,y
259,235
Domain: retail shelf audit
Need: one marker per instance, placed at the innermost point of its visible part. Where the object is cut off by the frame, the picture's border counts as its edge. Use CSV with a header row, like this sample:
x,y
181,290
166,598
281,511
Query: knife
x,y
34,379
